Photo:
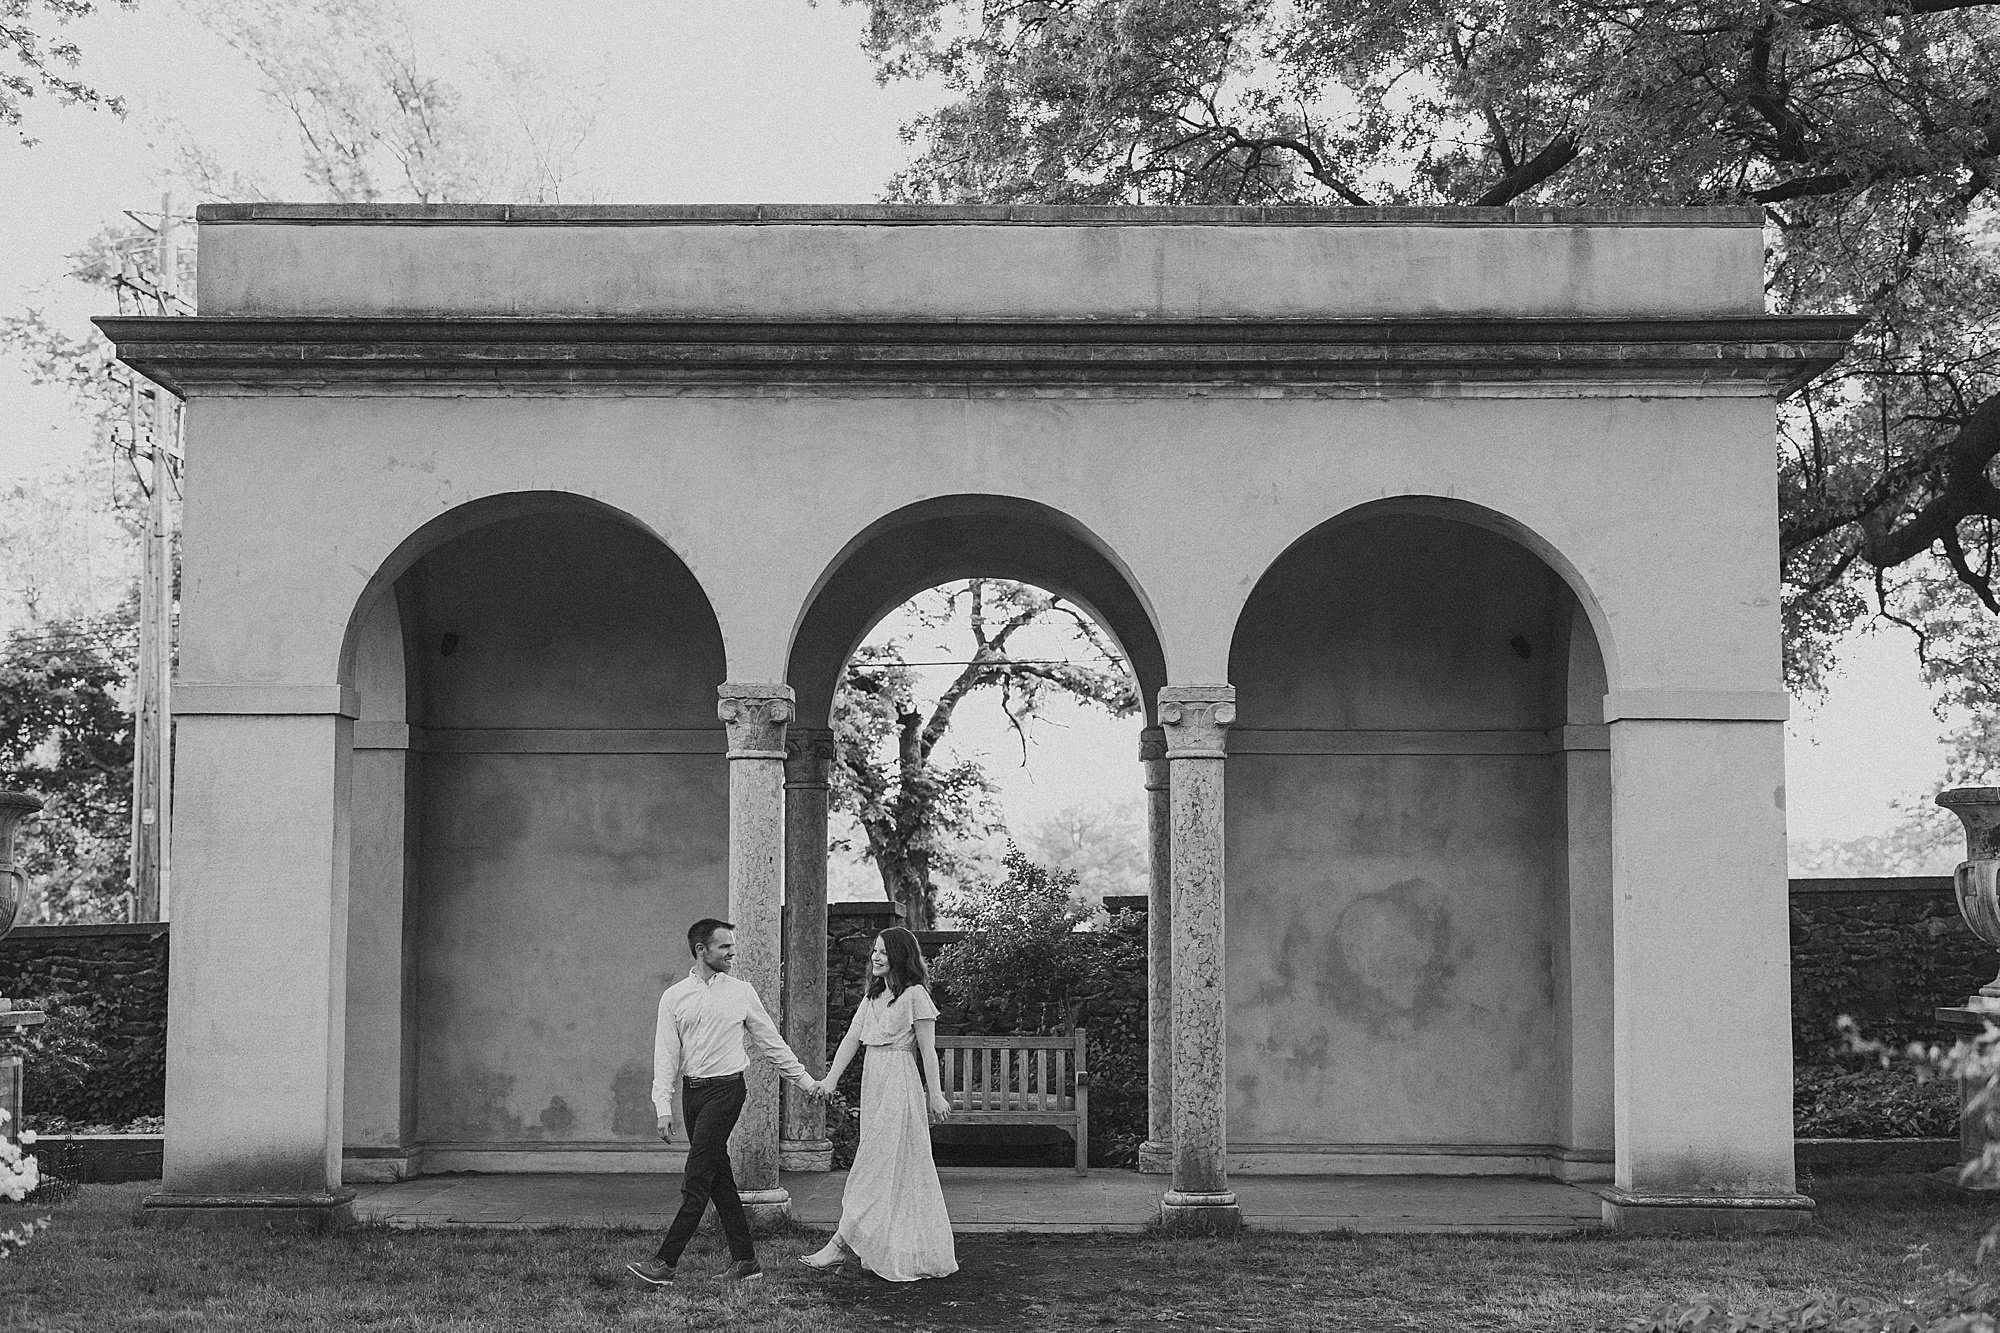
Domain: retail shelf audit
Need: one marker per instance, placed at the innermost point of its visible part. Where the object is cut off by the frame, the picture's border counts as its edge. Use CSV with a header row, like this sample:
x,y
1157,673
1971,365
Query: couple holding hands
x,y
892,1215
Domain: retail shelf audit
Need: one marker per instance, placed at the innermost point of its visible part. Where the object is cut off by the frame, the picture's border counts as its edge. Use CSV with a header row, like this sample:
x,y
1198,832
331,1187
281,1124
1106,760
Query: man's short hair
x,y
702,931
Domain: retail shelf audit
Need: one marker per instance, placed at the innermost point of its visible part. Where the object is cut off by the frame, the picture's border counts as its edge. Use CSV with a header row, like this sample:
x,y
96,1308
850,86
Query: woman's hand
x,y
940,1104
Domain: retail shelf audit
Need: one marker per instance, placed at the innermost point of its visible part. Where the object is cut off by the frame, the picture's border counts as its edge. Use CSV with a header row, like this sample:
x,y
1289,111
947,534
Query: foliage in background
x,y
1863,129
919,816
36,59
65,1052
1023,965
1022,958
1103,844
1834,1102
369,110
66,736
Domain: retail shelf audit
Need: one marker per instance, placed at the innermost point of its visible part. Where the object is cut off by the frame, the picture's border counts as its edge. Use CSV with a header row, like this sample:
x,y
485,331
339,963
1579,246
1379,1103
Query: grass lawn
x,y
92,1270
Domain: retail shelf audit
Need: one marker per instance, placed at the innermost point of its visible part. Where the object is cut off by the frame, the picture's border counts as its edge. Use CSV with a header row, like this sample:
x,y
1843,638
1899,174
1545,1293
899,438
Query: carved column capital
x,y
1153,757
755,715
808,757
1194,719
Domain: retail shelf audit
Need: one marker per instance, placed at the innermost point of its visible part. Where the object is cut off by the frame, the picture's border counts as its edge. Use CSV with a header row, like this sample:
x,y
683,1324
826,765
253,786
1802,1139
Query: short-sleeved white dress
x,y
892,1211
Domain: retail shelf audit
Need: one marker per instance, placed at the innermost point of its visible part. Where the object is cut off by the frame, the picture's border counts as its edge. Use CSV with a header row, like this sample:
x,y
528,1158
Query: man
x,y
704,1018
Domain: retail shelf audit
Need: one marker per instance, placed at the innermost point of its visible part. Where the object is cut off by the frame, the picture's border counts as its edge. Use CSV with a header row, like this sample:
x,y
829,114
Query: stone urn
x,y
14,807
1977,879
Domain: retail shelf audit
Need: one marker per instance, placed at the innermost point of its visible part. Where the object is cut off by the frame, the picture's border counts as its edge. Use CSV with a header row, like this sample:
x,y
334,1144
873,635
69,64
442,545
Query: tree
x,y
1101,844
66,736
368,115
1866,130
34,65
372,116
916,812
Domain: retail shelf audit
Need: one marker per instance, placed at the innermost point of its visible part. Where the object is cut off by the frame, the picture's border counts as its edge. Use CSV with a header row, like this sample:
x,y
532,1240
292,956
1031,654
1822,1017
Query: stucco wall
x,y
573,802
1185,494
1396,843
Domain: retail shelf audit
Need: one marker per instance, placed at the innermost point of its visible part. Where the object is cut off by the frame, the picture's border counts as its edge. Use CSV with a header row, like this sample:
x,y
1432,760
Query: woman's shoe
x,y
831,1256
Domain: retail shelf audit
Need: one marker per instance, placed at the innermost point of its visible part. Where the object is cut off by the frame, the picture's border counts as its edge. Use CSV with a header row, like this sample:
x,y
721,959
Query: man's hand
x,y
666,1123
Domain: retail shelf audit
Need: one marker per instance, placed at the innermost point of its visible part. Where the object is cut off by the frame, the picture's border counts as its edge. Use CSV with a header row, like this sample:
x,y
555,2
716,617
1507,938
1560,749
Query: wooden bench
x,y
1019,1080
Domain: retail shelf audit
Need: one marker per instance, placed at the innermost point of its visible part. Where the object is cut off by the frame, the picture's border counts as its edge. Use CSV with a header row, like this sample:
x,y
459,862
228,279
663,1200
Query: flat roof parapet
x,y
1066,215
786,262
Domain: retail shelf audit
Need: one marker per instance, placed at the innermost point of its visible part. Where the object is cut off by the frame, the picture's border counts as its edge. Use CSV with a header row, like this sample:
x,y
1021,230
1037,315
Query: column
x,y
1195,719
1156,1153
808,772
1701,974
755,715
257,995
1583,930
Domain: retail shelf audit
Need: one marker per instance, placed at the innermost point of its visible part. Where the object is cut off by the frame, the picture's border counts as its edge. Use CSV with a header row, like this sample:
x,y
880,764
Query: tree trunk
x,y
906,877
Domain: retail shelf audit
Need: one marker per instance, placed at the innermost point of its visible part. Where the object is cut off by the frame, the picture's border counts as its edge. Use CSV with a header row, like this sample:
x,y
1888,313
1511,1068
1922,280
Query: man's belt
x,y
692,1082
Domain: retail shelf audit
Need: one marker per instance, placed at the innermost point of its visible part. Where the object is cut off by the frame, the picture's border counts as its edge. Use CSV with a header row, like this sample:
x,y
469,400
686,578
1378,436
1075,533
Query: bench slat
x,y
1020,1080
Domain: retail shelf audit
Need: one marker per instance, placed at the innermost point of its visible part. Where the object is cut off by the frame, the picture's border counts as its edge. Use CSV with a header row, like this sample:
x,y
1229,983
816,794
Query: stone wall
x,y
116,978
1886,951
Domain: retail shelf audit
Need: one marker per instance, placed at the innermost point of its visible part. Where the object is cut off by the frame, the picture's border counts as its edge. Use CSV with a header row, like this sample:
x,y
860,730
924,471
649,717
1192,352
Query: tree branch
x,y
1558,153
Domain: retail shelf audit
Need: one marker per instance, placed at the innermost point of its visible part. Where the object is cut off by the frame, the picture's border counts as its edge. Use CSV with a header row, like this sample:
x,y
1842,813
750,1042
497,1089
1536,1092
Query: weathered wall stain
x,y
557,1118
1389,961
632,1114
479,1107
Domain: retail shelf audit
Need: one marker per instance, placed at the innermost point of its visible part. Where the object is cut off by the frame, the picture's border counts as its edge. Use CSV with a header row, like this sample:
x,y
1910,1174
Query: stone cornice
x,y
1755,354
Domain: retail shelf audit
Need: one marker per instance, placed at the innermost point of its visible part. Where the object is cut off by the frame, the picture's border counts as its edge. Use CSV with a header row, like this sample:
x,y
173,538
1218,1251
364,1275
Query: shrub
x,y
64,1056
1024,966
1834,1102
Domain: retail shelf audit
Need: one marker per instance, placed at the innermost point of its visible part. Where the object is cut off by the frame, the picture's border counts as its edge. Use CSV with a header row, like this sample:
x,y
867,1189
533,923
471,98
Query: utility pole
x,y
152,759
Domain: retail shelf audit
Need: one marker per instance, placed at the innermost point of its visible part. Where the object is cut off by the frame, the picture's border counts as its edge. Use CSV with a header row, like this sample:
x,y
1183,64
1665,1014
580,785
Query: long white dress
x,y
892,1211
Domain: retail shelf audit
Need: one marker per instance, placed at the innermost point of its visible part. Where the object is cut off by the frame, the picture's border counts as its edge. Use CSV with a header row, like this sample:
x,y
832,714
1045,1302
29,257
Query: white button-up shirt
x,y
702,1030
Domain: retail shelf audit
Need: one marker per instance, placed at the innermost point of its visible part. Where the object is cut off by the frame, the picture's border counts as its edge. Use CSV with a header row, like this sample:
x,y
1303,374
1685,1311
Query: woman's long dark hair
x,y
906,964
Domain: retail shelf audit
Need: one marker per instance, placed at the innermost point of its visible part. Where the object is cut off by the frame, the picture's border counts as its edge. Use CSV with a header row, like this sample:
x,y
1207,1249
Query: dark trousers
x,y
711,1109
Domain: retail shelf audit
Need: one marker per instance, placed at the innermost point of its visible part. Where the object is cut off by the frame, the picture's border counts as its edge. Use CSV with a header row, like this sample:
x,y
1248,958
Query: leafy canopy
x,y
921,815
33,62
1867,131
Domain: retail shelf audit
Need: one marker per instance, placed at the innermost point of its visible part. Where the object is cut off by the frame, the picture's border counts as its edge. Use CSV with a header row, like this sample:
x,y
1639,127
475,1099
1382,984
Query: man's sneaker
x,y
743,1270
656,1271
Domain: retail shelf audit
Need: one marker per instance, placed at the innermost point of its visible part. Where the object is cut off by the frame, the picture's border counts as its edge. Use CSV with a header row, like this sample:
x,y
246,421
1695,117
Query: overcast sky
x,y
734,101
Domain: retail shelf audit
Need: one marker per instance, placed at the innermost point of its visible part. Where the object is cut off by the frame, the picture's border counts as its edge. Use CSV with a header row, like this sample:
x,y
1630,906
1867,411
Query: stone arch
x,y
1418,832
962,536
1500,523
540,805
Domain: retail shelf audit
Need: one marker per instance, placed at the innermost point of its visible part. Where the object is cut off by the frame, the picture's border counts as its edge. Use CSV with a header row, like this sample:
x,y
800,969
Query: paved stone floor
x,y
991,1199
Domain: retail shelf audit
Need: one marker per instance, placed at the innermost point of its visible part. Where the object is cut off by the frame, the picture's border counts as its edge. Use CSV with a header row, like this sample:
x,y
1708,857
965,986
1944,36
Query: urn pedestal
x,y
1976,885
14,807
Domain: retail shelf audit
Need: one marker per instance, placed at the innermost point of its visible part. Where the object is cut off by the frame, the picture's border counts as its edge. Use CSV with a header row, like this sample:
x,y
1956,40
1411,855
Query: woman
x,y
892,1214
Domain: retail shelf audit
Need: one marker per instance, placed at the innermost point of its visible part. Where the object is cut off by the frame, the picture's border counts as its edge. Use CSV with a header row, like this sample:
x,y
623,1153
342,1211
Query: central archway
x,y
901,554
